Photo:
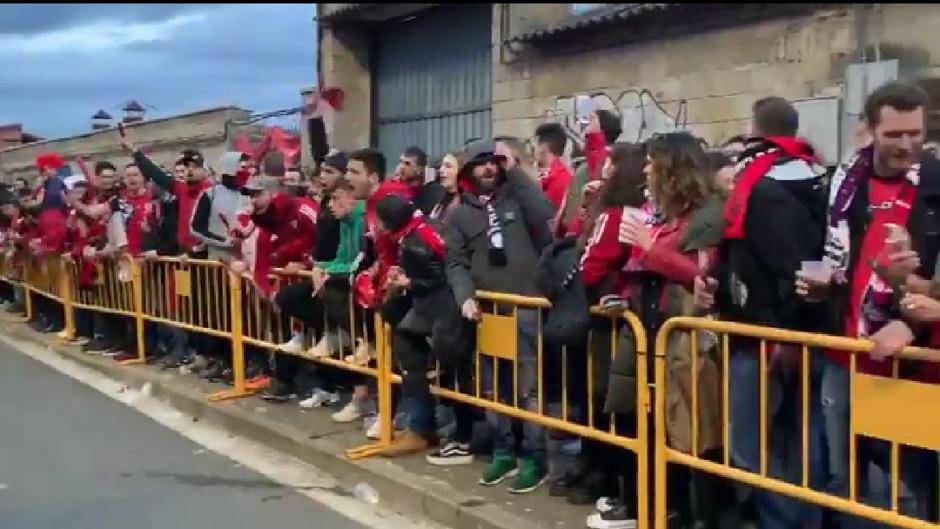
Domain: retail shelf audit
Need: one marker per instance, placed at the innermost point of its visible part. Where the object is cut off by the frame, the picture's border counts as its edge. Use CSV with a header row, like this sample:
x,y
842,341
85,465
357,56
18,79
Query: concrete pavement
x,y
71,457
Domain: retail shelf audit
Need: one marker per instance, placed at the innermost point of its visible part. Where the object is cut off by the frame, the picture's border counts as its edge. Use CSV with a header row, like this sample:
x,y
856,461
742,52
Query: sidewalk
x,y
448,496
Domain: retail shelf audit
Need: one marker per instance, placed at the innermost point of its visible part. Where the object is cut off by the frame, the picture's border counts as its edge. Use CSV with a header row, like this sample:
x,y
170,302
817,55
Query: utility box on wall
x,y
819,125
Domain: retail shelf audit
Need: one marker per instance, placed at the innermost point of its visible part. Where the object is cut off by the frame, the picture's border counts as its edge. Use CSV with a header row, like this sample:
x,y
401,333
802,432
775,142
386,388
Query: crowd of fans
x,y
754,230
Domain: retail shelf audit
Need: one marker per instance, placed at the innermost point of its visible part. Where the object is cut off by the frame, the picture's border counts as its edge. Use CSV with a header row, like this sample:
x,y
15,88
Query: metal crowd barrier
x,y
497,340
205,297
892,410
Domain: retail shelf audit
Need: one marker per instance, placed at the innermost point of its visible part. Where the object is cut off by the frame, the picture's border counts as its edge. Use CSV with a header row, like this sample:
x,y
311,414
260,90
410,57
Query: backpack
x,y
559,279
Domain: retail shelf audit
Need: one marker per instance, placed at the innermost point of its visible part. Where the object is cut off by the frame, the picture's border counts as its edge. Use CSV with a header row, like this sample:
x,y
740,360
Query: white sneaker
x,y
318,399
62,335
363,354
350,413
373,432
323,348
294,346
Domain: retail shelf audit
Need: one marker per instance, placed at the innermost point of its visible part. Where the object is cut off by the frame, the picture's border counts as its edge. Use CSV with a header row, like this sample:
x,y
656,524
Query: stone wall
x,y
708,81
203,130
705,81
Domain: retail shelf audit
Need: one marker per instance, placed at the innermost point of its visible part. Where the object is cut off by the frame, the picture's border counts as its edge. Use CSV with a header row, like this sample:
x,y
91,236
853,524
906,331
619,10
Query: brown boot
x,y
406,443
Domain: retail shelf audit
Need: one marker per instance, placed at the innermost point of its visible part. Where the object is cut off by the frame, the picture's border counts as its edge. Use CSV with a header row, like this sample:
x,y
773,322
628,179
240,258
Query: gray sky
x,y
60,63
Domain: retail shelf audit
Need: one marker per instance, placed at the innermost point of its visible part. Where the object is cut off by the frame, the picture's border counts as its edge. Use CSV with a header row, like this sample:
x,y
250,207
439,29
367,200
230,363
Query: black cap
x,y
193,157
338,160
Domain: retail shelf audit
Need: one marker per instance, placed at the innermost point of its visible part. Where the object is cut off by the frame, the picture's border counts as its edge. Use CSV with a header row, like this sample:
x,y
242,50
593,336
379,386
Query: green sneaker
x,y
503,466
530,477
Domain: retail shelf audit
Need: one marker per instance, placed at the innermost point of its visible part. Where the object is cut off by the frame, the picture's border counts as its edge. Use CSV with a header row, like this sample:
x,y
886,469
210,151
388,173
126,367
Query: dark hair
x,y
394,211
418,154
610,125
625,186
104,165
898,95
132,164
775,116
24,180
737,138
554,135
681,173
373,160
719,160
273,164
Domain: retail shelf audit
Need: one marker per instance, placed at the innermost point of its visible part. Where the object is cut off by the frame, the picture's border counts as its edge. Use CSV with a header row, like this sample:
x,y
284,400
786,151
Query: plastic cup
x,y
816,270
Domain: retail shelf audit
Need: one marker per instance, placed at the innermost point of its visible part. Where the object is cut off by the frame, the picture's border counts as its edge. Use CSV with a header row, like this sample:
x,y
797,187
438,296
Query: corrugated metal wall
x,y
433,80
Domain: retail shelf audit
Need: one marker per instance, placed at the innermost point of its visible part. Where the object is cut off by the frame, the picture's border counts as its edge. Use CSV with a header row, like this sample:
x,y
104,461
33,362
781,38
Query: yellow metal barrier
x,y
888,409
497,343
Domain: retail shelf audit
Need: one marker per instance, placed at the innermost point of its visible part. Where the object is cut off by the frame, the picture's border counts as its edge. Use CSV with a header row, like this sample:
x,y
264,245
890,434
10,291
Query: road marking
x,y
297,475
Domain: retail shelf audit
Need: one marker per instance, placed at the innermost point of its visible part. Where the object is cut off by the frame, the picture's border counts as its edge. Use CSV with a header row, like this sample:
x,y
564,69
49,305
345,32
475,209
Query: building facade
x,y
209,130
422,74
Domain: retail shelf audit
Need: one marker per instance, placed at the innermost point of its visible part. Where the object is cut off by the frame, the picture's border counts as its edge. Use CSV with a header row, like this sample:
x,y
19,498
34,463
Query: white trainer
x,y
318,399
294,346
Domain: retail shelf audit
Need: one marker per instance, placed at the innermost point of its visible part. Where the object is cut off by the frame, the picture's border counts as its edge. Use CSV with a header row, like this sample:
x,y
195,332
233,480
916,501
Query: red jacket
x,y
142,219
605,255
287,234
555,182
51,230
188,196
83,232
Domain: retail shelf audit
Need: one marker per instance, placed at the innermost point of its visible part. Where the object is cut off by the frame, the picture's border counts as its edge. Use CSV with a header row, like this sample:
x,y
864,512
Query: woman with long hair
x,y
449,171
654,256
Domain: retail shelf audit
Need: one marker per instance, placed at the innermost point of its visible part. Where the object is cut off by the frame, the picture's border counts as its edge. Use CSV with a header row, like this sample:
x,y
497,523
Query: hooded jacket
x,y
784,223
524,213
186,195
216,209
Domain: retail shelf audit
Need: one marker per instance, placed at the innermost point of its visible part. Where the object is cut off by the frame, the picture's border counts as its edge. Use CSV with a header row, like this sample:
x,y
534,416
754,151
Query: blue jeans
x,y
784,439
501,427
874,484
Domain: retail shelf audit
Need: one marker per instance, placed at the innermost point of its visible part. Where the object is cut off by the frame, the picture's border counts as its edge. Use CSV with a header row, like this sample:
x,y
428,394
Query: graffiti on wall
x,y
641,114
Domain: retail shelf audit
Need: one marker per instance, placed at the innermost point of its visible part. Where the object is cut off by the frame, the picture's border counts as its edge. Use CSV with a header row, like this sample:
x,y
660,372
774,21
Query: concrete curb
x,y
399,490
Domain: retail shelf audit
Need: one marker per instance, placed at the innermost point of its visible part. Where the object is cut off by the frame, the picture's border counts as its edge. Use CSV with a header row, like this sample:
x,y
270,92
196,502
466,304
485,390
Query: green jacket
x,y
350,235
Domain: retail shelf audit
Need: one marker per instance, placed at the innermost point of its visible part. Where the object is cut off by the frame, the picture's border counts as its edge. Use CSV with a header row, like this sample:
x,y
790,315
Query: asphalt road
x,y
72,458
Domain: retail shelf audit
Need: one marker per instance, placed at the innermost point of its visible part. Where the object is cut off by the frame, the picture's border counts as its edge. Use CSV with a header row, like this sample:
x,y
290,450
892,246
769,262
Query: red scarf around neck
x,y
778,147
424,230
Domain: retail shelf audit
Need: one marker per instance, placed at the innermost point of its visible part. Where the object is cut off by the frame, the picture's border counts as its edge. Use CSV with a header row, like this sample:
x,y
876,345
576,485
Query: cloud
x,y
188,58
95,37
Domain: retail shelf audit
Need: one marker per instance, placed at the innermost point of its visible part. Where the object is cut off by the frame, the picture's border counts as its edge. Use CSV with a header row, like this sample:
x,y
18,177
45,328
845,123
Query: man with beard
x,y
192,167
494,241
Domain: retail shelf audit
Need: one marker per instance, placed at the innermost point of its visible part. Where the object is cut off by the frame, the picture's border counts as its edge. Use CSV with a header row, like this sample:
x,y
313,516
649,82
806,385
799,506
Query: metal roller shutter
x,y
432,77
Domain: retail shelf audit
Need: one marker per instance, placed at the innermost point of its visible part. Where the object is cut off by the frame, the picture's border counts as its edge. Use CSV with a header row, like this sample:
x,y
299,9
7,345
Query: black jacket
x,y
429,196
923,224
785,225
327,233
163,237
429,294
